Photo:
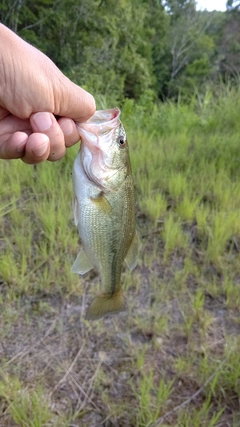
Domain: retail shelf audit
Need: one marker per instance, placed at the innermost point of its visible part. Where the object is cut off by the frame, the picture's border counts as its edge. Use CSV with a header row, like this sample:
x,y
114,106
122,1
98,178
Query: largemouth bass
x,y
104,208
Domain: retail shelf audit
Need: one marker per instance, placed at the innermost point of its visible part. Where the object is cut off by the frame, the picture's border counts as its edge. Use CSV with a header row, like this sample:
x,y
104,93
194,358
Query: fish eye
x,y
121,141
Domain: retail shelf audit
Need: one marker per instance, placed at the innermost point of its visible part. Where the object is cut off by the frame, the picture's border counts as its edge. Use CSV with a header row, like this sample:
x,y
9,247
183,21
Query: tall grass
x,y
174,356
189,157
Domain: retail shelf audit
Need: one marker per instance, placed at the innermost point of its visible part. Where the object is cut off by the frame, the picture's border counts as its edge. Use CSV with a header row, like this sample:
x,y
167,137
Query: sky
x,y
211,4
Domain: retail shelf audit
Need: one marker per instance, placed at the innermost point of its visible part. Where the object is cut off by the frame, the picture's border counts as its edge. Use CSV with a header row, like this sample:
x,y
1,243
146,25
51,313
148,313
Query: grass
x,y
173,358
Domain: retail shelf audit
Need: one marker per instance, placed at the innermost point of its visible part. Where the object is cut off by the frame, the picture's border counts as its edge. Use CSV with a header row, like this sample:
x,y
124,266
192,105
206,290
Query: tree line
x,y
128,48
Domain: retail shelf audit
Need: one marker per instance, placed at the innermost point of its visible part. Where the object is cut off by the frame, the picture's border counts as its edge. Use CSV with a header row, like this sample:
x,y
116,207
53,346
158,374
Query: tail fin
x,y
105,304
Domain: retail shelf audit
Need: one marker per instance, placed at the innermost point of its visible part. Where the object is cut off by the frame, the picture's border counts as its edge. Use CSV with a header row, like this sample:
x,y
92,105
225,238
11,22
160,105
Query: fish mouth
x,y
102,124
97,135
100,127
102,118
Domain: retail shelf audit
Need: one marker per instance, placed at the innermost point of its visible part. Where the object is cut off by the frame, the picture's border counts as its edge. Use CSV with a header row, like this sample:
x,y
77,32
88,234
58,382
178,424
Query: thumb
x,y
75,102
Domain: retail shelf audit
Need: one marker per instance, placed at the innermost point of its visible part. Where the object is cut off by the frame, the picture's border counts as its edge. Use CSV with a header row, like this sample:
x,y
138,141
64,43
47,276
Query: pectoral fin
x,y
82,264
132,255
75,210
102,203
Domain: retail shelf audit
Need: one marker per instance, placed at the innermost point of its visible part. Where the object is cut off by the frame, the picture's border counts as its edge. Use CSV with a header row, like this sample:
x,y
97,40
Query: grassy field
x,y
174,358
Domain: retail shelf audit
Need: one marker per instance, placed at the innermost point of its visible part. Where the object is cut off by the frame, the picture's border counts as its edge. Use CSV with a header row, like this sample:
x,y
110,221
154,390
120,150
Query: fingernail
x,y
41,149
42,121
67,127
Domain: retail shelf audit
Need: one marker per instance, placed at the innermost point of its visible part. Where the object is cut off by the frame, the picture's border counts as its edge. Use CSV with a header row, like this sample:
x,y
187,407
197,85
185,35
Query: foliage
x,y
230,45
125,48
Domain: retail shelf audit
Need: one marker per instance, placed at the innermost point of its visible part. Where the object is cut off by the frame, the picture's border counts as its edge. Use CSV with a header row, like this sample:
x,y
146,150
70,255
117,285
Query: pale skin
x,y
33,91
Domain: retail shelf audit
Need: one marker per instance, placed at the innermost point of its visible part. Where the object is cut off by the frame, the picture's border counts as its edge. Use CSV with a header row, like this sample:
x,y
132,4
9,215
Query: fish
x,y
104,208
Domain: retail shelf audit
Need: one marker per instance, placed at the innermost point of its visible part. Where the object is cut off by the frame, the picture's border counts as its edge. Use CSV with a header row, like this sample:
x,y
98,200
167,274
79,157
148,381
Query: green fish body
x,y
104,208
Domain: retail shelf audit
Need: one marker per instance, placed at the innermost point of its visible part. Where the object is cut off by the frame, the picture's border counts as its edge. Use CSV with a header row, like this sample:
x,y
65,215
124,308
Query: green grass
x,y
173,358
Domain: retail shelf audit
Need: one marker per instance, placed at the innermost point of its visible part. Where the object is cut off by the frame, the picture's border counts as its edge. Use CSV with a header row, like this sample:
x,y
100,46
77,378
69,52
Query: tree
x,y
102,44
229,45
189,45
131,48
233,5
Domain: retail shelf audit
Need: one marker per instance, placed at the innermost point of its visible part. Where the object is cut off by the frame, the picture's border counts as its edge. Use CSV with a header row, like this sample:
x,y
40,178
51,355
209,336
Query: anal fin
x,y
132,255
82,263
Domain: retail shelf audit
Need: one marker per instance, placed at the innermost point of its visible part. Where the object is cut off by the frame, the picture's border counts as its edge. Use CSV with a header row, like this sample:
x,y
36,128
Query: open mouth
x,y
104,116
101,124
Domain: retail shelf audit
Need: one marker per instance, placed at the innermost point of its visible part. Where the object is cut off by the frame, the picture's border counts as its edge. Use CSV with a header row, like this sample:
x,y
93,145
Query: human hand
x,y
32,92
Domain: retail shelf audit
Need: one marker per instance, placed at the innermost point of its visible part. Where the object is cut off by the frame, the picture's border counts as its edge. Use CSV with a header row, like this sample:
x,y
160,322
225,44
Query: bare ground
x,y
92,370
